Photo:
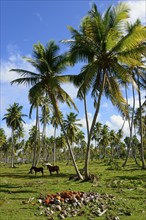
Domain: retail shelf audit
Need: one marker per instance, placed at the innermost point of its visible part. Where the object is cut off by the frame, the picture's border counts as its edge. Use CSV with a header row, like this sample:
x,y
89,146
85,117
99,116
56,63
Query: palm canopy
x,y
14,116
47,78
109,47
72,126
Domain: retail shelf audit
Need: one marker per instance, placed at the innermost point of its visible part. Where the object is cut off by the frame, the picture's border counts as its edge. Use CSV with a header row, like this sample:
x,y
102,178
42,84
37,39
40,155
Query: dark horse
x,y
36,170
52,168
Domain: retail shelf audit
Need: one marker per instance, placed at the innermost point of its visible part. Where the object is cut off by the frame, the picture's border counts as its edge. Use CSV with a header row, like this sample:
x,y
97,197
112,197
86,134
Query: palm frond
x,y
112,91
30,81
64,97
25,72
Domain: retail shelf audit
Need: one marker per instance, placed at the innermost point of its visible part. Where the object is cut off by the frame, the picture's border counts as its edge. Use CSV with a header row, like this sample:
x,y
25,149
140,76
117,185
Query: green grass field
x,y
20,191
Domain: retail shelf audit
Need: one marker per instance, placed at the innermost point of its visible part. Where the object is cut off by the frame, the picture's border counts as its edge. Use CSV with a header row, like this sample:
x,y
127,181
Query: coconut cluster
x,y
70,204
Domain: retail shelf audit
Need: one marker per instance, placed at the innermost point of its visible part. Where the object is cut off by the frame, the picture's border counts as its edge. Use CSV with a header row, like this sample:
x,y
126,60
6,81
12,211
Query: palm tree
x,y
113,142
2,137
104,139
71,126
140,123
103,43
14,121
48,79
97,132
35,99
55,123
45,118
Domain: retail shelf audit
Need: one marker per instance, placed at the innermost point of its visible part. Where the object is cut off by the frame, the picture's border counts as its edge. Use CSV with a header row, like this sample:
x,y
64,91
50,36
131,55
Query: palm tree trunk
x,y
141,126
54,147
123,124
44,138
131,128
86,115
63,130
12,152
91,130
36,139
128,149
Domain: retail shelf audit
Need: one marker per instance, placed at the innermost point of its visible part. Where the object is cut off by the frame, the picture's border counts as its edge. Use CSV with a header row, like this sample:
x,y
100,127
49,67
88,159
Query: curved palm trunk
x,y
63,130
91,130
123,124
12,152
141,127
86,115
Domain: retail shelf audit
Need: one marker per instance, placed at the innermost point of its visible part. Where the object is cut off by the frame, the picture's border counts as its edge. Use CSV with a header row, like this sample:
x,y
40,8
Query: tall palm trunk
x,y
86,114
12,152
128,148
91,129
42,141
131,128
141,126
44,138
34,163
54,147
64,132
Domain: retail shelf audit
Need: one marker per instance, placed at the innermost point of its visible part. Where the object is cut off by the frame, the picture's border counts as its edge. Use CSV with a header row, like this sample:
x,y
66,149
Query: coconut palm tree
x,y
35,99
14,121
113,142
2,137
108,50
140,123
48,79
45,119
104,139
55,123
71,126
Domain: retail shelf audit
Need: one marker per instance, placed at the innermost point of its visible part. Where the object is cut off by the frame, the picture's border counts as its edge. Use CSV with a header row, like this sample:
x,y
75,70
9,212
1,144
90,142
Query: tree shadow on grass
x,y
32,176
137,177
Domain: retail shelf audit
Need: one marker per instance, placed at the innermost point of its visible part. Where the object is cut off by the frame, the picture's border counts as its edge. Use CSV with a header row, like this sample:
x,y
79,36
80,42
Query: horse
x,y
52,168
40,169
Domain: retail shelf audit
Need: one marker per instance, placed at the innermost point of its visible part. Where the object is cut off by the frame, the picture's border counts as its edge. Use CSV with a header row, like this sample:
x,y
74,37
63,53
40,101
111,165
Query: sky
x,y
25,23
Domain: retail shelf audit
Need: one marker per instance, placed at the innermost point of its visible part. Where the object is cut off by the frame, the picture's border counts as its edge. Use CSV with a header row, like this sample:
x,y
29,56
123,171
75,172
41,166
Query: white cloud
x,y
116,123
104,105
14,61
90,119
130,99
71,90
39,16
28,126
83,120
138,10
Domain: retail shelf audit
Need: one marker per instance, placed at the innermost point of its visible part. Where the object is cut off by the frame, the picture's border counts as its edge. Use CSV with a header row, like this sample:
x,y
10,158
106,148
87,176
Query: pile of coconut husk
x,y
70,204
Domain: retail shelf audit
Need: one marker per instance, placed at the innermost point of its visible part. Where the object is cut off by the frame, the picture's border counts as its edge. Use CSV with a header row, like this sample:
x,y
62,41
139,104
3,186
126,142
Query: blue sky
x,y
24,23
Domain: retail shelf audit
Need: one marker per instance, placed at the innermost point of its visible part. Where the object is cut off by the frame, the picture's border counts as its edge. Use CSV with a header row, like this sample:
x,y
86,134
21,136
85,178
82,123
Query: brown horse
x,y
36,170
52,168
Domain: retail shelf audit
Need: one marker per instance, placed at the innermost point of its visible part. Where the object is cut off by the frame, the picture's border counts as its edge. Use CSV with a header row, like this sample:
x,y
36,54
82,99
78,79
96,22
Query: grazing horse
x,y
40,169
52,168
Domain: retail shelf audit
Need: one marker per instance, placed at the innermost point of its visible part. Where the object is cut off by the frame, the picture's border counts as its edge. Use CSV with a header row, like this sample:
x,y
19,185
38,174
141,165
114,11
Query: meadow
x,y
20,191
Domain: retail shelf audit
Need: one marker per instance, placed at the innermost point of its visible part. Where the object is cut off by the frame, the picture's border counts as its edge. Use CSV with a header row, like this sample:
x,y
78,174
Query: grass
x,y
20,191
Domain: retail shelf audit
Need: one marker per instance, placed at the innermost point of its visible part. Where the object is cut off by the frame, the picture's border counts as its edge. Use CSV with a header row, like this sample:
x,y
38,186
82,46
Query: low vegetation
x,y
20,191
